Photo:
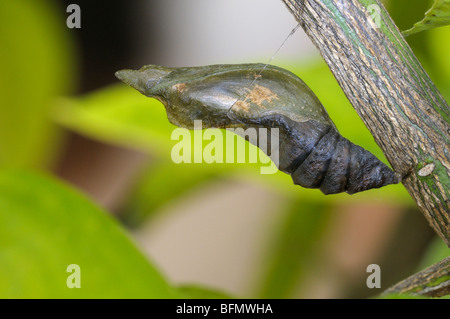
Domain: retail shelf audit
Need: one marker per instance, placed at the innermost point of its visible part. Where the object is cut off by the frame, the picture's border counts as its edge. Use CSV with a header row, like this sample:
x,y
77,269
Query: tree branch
x,y
390,91
431,282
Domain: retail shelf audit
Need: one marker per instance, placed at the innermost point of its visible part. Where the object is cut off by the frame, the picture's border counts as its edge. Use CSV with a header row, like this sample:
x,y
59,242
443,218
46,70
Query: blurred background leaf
x,y
436,251
36,62
46,226
294,249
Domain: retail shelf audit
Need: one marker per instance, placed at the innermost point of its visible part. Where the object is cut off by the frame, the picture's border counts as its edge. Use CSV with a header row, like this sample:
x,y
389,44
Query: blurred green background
x,y
86,176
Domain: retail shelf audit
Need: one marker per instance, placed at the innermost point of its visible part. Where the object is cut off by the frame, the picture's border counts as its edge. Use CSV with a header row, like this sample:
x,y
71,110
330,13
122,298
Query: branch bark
x,y
431,282
390,91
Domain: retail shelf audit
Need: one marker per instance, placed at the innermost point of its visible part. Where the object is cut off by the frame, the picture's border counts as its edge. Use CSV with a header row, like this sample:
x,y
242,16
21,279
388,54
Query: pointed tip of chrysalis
x,y
130,77
121,74
144,79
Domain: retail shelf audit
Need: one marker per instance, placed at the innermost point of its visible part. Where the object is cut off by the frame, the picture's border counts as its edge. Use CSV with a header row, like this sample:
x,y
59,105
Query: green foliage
x,y
46,226
431,48
35,60
437,16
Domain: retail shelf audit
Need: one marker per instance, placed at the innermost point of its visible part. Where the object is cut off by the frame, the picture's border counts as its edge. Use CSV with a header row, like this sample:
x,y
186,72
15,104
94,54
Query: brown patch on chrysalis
x,y
241,105
180,87
260,94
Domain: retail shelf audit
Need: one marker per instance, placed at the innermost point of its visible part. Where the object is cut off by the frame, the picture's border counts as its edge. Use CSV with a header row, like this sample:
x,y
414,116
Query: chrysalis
x,y
223,96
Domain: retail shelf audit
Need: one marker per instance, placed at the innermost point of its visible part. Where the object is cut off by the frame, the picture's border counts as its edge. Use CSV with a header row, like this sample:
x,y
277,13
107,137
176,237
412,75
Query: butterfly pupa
x,y
311,149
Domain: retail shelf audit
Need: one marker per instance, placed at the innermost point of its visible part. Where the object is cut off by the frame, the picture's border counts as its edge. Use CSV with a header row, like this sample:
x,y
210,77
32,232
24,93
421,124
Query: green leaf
x,y
46,226
36,65
437,16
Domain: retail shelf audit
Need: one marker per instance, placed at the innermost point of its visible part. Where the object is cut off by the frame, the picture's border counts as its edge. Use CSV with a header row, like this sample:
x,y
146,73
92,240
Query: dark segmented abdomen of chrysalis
x,y
317,156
